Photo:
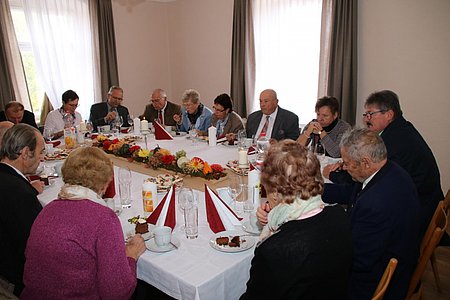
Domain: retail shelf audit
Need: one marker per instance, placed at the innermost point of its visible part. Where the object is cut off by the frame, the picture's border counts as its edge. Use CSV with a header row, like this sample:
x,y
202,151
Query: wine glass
x,y
49,133
185,200
235,189
89,128
241,136
130,120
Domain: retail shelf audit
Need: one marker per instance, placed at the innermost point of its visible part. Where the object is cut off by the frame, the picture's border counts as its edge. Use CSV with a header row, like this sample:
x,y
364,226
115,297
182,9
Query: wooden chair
x,y
385,280
430,240
433,262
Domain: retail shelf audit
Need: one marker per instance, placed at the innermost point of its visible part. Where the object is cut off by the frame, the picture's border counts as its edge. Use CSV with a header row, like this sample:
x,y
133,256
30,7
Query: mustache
x,y
368,124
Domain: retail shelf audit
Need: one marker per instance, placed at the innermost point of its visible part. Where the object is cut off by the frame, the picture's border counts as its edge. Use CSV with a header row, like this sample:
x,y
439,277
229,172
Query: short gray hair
x,y
361,142
192,95
114,87
16,138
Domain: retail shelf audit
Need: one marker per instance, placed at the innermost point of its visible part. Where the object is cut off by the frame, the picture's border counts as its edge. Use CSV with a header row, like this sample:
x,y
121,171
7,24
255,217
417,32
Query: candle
x,y
144,125
83,127
243,163
212,131
137,125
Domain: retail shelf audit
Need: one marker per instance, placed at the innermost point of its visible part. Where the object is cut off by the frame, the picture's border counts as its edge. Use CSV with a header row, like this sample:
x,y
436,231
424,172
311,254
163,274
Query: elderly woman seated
x,y
305,251
76,246
327,128
224,118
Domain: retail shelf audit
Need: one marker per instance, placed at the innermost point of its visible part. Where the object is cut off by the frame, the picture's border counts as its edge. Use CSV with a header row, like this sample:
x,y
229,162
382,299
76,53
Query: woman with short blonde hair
x,y
76,246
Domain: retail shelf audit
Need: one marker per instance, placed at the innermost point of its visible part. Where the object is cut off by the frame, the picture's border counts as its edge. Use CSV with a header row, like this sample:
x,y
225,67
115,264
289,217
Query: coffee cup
x,y
163,236
168,129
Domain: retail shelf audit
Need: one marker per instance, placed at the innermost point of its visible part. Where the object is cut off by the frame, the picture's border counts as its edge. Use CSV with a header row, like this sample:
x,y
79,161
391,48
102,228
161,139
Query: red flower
x,y
217,168
115,141
168,159
106,145
134,148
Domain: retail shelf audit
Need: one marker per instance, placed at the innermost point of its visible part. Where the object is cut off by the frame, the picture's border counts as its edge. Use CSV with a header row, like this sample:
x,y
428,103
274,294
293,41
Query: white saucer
x,y
248,228
151,245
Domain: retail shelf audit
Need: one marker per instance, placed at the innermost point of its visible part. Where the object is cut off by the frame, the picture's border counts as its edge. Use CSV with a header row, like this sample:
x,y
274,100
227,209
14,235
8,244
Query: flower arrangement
x,y
161,158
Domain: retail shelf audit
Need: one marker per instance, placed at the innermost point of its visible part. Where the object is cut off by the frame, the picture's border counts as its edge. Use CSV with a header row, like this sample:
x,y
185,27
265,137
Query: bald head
x,y
268,101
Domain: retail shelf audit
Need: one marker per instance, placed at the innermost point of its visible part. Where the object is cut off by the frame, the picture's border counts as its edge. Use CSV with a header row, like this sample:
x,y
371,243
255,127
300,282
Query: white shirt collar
x,y
365,182
272,118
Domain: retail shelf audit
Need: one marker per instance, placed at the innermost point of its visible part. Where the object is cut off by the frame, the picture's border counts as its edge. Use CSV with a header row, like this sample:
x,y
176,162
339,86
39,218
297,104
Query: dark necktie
x,y
160,116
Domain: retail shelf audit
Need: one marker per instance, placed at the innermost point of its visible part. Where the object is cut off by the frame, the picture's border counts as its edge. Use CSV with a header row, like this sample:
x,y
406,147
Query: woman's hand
x,y
262,212
135,247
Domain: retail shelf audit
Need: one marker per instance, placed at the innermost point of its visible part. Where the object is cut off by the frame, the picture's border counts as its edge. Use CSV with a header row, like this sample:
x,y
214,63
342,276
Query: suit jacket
x,y
234,123
151,113
28,118
407,147
285,126
100,110
384,222
19,209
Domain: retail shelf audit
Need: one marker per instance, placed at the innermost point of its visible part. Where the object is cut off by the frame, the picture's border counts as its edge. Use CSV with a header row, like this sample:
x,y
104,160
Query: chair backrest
x,y
385,280
447,201
430,240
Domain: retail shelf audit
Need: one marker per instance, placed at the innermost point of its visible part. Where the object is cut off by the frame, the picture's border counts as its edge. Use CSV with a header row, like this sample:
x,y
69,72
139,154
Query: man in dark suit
x,y
21,152
281,124
105,113
161,109
384,210
15,112
406,147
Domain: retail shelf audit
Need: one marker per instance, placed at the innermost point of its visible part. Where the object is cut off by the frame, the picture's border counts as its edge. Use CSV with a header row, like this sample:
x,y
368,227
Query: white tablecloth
x,y
195,270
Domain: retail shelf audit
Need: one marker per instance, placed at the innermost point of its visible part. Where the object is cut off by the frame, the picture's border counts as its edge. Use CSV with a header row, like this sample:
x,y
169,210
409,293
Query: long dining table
x,y
195,270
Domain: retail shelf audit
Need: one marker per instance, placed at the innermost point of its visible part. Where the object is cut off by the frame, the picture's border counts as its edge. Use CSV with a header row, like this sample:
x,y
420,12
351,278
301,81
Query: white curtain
x,y
14,59
287,50
63,48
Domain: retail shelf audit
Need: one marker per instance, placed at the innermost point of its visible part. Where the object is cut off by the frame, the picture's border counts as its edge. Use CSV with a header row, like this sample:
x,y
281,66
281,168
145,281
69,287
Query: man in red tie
x,y
160,108
277,123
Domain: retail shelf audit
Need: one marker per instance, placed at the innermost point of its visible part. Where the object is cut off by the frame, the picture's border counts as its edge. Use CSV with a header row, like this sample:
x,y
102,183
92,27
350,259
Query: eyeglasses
x,y
116,98
219,110
369,114
155,100
73,105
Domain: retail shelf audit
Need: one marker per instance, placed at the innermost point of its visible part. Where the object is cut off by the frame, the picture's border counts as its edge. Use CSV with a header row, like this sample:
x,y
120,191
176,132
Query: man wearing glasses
x,y
160,109
105,113
406,147
65,116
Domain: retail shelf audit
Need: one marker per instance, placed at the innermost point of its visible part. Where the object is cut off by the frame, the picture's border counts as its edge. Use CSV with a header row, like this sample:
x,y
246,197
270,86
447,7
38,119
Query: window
x,y
35,89
287,52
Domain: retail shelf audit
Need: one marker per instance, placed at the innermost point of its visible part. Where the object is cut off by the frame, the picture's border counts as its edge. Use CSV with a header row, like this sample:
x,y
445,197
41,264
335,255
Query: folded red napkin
x,y
55,143
164,213
226,219
161,133
110,190
251,150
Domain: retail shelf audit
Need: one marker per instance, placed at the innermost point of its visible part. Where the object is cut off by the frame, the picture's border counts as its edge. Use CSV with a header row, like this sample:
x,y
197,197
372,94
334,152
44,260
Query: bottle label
x,y
147,197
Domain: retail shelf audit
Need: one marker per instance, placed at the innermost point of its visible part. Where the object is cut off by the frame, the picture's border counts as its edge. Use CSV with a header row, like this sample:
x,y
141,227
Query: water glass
x,y
125,187
191,219
248,197
235,189
193,133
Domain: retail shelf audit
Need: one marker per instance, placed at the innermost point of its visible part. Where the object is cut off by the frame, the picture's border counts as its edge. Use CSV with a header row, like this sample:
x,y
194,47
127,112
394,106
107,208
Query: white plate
x,y
230,146
151,245
248,228
146,236
247,242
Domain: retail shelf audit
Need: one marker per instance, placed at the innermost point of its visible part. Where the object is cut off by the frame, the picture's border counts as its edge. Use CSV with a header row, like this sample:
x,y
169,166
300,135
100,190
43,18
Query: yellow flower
x,y
164,152
101,137
195,165
143,153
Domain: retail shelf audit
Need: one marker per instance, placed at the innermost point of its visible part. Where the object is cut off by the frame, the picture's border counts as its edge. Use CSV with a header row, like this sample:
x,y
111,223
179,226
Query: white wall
x,y
404,45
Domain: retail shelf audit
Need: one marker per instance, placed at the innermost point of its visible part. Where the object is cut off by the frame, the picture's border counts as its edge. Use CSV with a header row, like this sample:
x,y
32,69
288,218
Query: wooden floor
x,y
430,291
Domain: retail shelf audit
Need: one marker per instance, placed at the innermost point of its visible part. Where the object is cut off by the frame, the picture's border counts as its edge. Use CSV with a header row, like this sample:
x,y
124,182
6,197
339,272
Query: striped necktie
x,y
266,125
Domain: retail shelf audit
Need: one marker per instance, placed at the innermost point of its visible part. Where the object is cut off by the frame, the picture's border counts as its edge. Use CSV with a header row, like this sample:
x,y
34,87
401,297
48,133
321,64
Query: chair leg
x,y
435,271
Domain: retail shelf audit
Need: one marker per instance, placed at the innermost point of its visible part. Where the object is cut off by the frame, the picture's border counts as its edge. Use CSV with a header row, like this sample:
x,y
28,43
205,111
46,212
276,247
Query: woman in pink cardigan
x,y
76,248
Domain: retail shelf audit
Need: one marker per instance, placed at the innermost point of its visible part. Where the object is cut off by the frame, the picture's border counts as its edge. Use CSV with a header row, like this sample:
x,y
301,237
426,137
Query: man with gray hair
x,y
384,209
161,109
21,151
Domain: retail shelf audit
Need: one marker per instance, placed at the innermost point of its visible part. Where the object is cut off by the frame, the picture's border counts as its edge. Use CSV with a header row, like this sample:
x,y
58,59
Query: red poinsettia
x,y
106,145
115,141
168,159
134,148
217,168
